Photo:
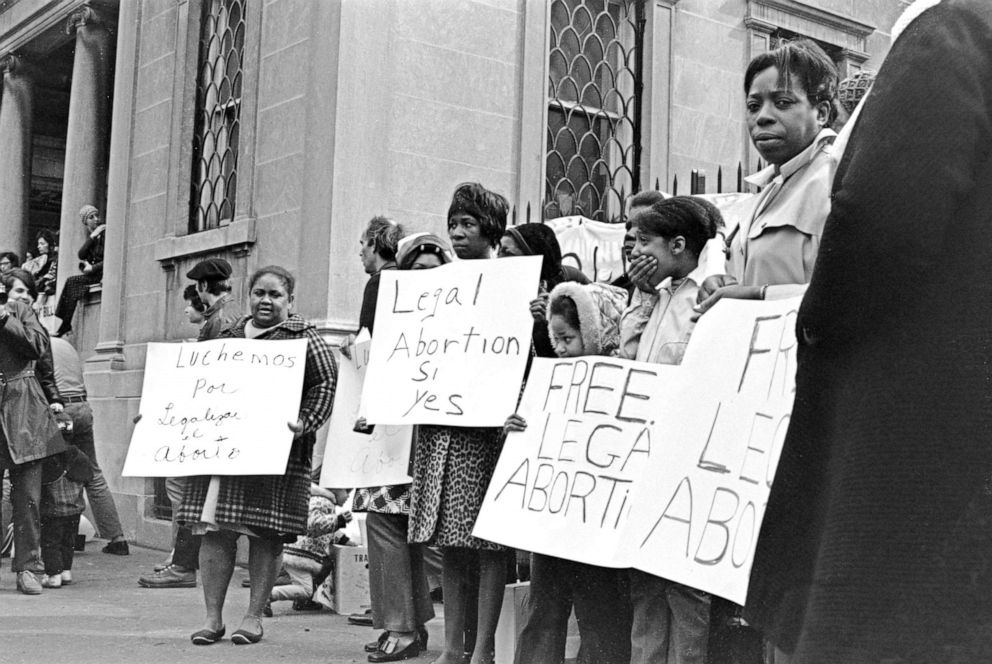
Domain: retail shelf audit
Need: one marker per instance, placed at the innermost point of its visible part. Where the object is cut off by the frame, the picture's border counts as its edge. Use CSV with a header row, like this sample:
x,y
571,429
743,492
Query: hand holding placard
x,y
439,331
217,408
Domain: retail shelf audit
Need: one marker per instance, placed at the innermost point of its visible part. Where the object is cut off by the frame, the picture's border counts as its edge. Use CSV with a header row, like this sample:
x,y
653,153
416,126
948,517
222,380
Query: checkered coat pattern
x,y
392,499
276,504
62,497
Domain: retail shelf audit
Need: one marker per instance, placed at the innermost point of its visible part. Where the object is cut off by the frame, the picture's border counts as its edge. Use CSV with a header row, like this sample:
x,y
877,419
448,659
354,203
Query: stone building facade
x,y
269,131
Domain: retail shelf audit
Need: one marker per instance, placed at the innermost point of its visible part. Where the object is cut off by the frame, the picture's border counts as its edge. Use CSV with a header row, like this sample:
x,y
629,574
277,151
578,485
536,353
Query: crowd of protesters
x,y
871,547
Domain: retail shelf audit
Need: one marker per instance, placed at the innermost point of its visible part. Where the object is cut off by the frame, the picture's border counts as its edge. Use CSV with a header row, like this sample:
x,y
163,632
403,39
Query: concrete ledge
x,y
237,237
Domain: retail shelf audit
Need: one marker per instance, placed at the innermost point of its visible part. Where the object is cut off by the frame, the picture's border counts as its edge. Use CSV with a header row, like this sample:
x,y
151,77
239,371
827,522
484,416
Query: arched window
x,y
218,114
593,143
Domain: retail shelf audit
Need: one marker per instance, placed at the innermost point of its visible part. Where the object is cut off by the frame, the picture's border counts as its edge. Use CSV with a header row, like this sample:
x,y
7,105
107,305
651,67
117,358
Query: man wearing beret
x,y
211,277
214,288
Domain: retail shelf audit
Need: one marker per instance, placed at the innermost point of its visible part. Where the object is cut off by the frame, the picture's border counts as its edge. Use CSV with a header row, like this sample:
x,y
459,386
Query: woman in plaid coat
x,y
269,509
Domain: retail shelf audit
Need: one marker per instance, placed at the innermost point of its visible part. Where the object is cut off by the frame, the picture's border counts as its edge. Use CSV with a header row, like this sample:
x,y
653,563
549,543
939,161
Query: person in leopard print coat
x,y
453,465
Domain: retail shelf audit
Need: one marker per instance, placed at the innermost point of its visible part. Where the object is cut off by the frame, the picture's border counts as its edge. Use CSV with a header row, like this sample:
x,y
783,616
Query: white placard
x,y
217,407
697,520
563,486
353,459
451,343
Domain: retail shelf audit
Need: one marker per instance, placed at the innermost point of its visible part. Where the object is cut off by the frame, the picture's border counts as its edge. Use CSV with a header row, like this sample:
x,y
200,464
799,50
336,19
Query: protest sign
x,y
563,486
217,408
451,343
697,521
353,459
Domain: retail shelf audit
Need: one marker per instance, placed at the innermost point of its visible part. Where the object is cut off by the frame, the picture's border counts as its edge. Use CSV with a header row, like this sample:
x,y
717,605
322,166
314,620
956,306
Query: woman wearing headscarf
x,y
401,602
90,266
269,509
539,240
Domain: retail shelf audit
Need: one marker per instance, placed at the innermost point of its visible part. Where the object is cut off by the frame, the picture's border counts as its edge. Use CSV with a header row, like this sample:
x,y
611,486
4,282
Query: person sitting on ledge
x,y
90,264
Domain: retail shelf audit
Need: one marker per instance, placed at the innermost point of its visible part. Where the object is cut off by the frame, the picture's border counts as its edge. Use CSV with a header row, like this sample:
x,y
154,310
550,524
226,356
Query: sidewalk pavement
x,y
104,617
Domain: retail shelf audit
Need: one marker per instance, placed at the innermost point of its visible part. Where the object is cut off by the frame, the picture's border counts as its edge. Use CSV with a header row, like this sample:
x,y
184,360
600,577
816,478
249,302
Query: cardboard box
x,y
511,621
351,579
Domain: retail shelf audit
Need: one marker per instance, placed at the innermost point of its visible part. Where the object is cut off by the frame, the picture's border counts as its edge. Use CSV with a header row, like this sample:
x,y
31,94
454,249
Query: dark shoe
x,y
207,636
267,611
361,619
170,577
243,637
389,651
373,646
117,548
307,605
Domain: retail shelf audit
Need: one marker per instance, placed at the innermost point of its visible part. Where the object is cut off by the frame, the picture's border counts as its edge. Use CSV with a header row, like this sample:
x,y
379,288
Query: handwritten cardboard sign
x,y
451,343
697,520
217,408
563,486
353,459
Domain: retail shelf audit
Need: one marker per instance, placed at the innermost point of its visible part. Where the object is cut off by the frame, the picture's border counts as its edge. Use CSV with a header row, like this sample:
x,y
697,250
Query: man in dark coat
x,y
877,534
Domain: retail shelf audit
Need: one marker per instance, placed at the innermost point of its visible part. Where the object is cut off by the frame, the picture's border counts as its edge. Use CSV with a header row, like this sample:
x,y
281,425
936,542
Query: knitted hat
x,y
599,307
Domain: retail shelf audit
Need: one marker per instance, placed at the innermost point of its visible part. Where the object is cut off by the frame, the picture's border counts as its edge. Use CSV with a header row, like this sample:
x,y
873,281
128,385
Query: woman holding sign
x,y
269,510
453,465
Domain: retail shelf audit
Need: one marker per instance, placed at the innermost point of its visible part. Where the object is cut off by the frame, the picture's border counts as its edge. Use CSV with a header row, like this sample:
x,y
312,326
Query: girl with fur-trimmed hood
x,y
583,319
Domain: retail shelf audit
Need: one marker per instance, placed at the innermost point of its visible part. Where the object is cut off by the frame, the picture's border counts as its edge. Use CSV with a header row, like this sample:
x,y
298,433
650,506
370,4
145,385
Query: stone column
x,y
85,178
16,104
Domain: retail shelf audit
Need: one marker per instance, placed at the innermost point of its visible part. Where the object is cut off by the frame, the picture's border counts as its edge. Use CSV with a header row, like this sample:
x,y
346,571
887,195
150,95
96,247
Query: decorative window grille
x,y
594,91
218,112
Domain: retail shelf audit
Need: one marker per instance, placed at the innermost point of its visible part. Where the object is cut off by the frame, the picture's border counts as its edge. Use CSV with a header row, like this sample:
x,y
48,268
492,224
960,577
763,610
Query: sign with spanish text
x,y
451,343
563,486
354,459
697,521
218,407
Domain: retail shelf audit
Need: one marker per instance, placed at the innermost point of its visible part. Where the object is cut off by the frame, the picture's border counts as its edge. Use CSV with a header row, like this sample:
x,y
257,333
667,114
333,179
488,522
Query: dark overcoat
x,y
877,544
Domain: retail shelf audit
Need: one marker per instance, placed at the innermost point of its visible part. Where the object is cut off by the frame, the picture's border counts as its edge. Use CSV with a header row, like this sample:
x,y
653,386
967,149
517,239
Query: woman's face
x,y
780,119
42,245
92,221
19,292
425,261
509,247
192,315
269,301
465,233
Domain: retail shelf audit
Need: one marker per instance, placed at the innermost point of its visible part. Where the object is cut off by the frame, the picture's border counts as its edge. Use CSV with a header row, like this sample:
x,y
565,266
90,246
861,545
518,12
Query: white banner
x,y
451,343
217,407
353,459
596,247
689,451
697,520
563,486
